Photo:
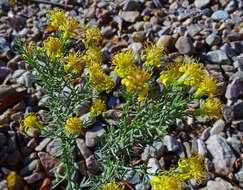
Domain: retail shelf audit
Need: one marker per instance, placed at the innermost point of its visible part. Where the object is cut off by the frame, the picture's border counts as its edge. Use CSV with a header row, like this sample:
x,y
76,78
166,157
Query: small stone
x,y
234,89
91,164
35,177
217,56
48,162
184,45
213,39
54,147
87,118
223,157
107,31
3,139
42,144
201,3
237,46
153,166
136,46
4,117
33,132
28,168
83,148
3,185
89,12
91,136
171,143
205,134
131,5
132,177
4,71
25,79
217,127
220,15
146,153
202,149
157,149
227,48
237,109
235,143
166,41
139,36
29,158
129,16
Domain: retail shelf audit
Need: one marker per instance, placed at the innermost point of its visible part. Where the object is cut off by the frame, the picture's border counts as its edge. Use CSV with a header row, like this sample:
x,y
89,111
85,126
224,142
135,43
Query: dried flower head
x,y
98,107
30,121
53,47
74,125
124,63
153,54
113,186
74,61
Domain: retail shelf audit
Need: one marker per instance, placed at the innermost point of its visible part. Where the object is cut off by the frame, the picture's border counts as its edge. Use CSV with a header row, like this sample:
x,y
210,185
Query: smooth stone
x,y
3,185
153,166
28,168
88,118
202,149
3,139
220,15
29,158
237,46
223,156
213,39
92,134
238,110
171,143
129,16
235,143
85,152
218,127
132,177
205,134
201,3
184,45
228,49
42,144
131,5
92,164
234,89
4,71
218,56
166,41
35,177
139,36
54,147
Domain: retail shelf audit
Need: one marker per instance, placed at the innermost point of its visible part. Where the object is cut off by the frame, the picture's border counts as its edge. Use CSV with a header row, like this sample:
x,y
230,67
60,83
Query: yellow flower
x,y
211,108
153,54
91,36
99,79
172,74
113,186
74,125
135,82
12,180
98,107
192,73
30,121
93,56
56,17
166,182
124,63
53,47
207,86
74,62
192,168
70,27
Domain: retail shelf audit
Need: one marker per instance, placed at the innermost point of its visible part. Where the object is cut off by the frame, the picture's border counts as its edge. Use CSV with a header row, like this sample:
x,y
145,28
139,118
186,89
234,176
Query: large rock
x,y
184,45
223,156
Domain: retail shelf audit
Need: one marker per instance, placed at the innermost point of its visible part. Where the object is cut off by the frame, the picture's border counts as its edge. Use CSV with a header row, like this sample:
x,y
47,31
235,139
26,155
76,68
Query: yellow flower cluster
x,y
53,47
113,186
98,107
124,63
74,125
12,180
93,56
91,36
30,121
99,79
65,23
153,54
171,75
192,168
132,77
211,108
136,82
74,62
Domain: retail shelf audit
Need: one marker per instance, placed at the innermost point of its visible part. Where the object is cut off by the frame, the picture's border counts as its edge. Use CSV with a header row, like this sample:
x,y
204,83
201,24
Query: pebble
x,y
132,177
184,45
92,134
3,139
4,71
166,41
218,57
129,16
220,15
91,164
3,185
83,148
153,166
213,39
27,170
234,89
202,149
42,144
131,5
54,147
218,127
201,3
237,109
139,36
171,143
237,46
35,177
223,157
